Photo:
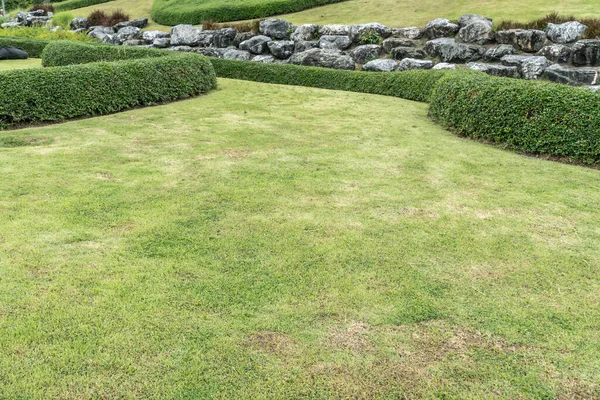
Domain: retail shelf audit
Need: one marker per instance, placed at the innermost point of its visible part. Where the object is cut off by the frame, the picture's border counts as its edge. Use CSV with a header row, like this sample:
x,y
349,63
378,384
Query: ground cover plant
x,y
233,246
44,34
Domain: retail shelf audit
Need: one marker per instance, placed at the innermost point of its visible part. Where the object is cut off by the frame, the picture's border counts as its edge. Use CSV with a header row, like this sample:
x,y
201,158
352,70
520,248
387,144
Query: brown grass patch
x,y
354,337
273,342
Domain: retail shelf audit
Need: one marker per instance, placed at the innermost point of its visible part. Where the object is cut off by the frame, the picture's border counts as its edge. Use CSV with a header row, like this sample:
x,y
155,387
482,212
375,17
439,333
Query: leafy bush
x,y
47,7
173,12
533,117
69,53
55,94
370,37
45,34
63,20
97,18
33,47
593,24
73,4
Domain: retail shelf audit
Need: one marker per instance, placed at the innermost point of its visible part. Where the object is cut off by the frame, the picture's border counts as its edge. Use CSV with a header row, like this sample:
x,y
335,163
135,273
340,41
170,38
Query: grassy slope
x,y
19,64
403,13
285,245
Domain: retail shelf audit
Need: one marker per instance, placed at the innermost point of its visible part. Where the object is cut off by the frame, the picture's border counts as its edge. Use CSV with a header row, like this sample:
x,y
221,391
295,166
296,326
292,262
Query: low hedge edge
x,y
68,5
33,47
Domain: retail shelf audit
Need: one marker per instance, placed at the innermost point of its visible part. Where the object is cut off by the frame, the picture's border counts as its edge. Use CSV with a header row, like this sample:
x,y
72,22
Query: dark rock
x,y
129,33
572,76
411,32
150,36
400,53
380,65
586,53
448,50
565,33
224,37
161,43
282,49
79,23
530,67
216,52
479,31
468,19
323,58
12,53
411,63
242,37
306,32
389,43
365,53
234,54
557,53
331,42
185,35
497,52
205,38
303,45
334,30
439,28
495,69
256,44
529,41
358,31
276,28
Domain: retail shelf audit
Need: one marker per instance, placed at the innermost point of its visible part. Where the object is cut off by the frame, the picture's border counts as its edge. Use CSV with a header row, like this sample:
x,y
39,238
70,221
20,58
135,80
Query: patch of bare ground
x,y
273,343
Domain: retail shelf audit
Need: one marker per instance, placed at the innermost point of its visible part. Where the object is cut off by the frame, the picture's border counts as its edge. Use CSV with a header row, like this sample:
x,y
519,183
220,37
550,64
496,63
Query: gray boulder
x,y
97,34
264,59
448,50
586,53
389,43
242,37
216,52
365,53
12,53
530,41
557,53
205,38
161,43
399,53
478,31
138,23
572,76
11,24
411,63
334,30
109,30
185,35
565,33
224,37
306,32
129,33
79,23
468,19
235,54
323,58
256,44
150,36
333,42
530,67
445,66
110,39
412,32
303,45
358,31
495,69
439,28
495,54
276,28
380,65
183,49
282,49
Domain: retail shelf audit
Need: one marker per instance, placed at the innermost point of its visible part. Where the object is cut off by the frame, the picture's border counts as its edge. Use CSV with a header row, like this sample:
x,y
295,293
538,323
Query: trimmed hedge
x,y
56,94
73,4
33,47
173,12
69,53
533,117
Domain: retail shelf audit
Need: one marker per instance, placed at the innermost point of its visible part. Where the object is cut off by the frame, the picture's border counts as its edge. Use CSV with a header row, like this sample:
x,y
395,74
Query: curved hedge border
x,y
56,94
173,12
33,47
533,117
73,4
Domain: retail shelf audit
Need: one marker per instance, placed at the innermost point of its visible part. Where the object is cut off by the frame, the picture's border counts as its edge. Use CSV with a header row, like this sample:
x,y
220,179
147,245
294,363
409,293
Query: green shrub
x,y
45,34
63,20
173,12
56,94
533,117
73,4
33,47
68,53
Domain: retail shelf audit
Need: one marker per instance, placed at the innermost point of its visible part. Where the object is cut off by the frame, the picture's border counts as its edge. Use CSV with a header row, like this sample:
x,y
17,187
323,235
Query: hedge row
x,y
533,117
173,12
33,47
73,4
55,94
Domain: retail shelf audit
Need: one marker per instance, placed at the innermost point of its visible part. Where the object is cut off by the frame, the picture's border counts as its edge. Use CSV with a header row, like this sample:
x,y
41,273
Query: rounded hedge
x,y
173,12
60,93
64,53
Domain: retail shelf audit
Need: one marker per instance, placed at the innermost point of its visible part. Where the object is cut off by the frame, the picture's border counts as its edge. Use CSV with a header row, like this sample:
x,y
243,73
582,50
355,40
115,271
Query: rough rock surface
x,y
448,50
357,31
224,37
572,76
79,23
411,63
334,29
495,69
276,28
478,31
586,53
303,45
529,41
557,53
412,32
530,67
264,59
242,37
444,66
161,43
185,35
439,28
565,33
150,36
399,53
256,44
129,33
380,65
234,54
390,43
496,53
282,49
334,42
306,32
323,58
12,53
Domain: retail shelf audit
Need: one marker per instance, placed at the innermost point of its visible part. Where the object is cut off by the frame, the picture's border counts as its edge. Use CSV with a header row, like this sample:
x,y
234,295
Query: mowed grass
x,y
283,242
6,65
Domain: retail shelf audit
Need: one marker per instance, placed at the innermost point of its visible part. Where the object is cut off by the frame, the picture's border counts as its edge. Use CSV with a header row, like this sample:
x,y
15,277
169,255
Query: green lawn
x,y
283,242
6,65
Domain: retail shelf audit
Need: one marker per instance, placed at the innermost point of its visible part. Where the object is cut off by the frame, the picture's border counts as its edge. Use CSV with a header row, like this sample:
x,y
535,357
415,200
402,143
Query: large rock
x,y
185,35
389,43
468,19
109,30
365,53
495,69
357,32
495,54
557,53
400,53
445,66
586,53
234,54
323,58
98,34
256,45
412,32
303,45
11,24
12,53
79,23
477,31
161,43
334,29
306,32
205,38
530,67
217,52
411,63
380,65
150,36
138,23
448,50
565,33
276,28
129,33
572,76
224,37
242,37
282,49
134,42
264,59
439,28
333,42
529,41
